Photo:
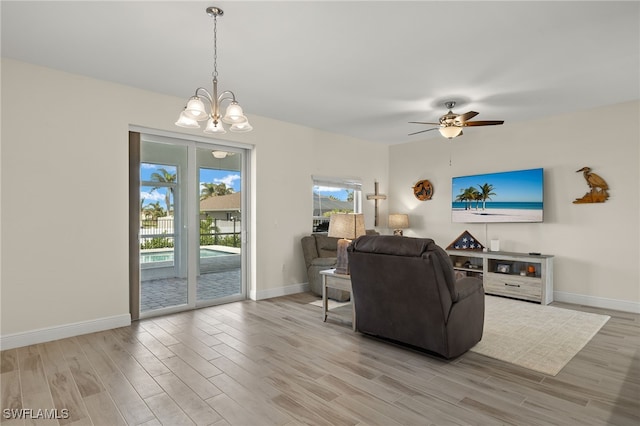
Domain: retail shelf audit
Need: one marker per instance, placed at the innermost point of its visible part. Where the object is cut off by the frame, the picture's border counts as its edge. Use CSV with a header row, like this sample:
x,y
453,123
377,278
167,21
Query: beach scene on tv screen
x,y
514,196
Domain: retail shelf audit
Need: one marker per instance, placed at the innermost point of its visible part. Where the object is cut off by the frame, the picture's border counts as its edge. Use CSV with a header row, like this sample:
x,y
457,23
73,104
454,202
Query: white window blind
x,y
334,182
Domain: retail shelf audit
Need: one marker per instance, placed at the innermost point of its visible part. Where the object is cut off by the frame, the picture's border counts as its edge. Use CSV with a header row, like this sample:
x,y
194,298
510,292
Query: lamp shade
x,y
450,132
219,154
346,225
398,221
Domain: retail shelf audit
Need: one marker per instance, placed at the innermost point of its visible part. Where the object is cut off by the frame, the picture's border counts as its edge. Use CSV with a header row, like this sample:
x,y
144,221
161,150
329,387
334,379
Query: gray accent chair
x,y
320,254
404,290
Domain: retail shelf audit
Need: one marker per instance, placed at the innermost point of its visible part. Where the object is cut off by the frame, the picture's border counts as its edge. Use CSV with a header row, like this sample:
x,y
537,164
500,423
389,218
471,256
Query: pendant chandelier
x,y
196,110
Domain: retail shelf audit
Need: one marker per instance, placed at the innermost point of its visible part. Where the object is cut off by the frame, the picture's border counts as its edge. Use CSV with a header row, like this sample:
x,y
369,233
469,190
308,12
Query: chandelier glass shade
x,y
186,122
214,127
206,106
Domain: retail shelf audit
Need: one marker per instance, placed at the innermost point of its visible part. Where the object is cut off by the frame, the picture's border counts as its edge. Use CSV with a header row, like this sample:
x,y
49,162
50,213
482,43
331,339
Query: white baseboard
x,y
597,302
42,335
279,291
559,296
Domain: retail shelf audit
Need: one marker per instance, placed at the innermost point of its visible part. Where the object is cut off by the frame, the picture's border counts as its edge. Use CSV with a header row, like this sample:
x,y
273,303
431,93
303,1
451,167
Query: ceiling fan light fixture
x,y
450,125
450,132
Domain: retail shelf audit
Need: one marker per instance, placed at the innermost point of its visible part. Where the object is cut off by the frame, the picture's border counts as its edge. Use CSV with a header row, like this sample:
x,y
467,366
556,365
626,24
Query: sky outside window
x,y
231,178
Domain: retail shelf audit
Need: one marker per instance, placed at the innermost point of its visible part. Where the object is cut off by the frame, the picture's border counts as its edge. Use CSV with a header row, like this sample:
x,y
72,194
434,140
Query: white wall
x,y
597,259
283,190
65,170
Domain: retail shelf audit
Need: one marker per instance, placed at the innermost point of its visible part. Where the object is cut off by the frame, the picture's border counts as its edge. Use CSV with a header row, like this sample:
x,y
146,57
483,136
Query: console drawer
x,y
521,287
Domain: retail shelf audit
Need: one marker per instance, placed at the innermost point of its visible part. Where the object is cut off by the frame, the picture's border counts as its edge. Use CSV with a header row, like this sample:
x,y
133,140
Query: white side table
x,y
341,282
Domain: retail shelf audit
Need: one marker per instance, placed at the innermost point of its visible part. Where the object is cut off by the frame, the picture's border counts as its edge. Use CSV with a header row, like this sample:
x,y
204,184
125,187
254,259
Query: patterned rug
x,y
537,337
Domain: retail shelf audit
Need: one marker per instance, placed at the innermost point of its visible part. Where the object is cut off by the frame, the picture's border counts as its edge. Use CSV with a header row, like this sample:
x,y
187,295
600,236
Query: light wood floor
x,y
274,362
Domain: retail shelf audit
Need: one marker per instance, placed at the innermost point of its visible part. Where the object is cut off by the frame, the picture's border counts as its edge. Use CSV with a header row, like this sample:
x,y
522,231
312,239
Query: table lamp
x,y
398,222
346,226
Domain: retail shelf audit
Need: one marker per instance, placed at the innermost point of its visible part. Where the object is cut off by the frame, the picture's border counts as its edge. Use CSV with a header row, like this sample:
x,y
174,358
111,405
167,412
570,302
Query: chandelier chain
x,y
215,46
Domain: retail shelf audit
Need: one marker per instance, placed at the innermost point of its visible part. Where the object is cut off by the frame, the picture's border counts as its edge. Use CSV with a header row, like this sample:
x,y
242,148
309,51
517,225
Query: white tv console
x,y
518,275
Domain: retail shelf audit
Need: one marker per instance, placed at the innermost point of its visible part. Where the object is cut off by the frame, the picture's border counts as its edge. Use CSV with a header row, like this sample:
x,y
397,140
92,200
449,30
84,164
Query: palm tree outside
x,y
214,189
153,211
165,177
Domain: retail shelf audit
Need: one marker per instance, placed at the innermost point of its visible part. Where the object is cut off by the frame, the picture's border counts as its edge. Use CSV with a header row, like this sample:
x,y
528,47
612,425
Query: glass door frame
x,y
192,214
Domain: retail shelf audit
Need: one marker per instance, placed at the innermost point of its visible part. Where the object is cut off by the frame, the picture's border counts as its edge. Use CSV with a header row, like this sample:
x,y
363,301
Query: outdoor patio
x,y
165,292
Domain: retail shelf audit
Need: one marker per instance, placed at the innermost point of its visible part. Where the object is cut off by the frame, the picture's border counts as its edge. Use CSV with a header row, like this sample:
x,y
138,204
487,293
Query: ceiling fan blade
x,y
467,115
424,122
482,123
422,131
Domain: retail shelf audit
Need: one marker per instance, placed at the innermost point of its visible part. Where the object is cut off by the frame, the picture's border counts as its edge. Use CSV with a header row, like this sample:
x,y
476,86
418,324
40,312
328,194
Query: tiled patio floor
x,y
165,292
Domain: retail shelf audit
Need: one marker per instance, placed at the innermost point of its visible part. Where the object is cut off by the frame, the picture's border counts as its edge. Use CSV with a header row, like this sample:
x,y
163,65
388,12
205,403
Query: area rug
x,y
537,337
332,304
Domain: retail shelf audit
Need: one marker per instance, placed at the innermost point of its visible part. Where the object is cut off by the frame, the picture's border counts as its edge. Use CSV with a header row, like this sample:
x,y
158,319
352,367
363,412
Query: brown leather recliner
x,y
404,290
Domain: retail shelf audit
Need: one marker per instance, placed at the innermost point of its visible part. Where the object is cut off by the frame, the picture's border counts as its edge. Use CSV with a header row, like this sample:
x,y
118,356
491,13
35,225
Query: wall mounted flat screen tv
x,y
514,196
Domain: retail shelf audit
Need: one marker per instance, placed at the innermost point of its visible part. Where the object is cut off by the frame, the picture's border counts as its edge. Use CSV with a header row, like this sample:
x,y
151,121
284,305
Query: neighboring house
x,y
221,207
323,204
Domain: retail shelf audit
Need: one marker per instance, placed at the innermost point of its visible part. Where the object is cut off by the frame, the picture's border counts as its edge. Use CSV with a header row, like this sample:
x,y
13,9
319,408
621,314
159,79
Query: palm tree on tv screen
x,y
462,198
486,193
467,195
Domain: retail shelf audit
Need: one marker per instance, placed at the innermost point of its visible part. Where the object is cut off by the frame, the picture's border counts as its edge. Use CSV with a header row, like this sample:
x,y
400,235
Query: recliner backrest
x,y
424,248
326,246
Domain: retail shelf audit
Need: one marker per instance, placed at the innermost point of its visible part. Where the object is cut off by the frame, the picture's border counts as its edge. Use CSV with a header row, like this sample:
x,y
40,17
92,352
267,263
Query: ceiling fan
x,y
451,124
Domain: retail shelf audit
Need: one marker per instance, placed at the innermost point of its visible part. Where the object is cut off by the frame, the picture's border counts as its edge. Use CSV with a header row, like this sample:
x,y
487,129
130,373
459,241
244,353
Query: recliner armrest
x,y
309,250
465,287
323,261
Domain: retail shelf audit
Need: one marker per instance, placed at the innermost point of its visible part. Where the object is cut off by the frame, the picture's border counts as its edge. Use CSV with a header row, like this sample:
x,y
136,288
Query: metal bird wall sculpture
x,y
598,188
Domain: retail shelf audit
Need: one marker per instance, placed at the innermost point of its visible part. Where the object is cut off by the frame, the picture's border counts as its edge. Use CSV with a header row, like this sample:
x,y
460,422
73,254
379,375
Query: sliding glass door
x,y
220,221
191,232
163,254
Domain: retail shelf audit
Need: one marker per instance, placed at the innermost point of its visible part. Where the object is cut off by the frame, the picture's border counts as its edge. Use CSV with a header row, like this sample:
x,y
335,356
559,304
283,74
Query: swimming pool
x,y
167,256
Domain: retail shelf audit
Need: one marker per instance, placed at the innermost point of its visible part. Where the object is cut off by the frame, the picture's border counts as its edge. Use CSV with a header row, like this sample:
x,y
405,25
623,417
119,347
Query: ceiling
x,y
362,68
